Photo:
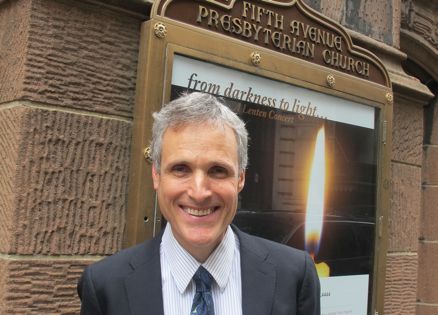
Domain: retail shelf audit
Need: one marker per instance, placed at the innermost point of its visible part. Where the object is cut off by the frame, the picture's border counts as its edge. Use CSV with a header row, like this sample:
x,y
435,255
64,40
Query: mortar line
x,y
406,163
119,9
27,257
403,254
429,185
427,304
430,145
428,242
36,105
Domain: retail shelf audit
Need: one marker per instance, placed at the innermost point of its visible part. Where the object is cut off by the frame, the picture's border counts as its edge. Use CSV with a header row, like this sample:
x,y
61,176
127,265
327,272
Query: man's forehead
x,y
197,137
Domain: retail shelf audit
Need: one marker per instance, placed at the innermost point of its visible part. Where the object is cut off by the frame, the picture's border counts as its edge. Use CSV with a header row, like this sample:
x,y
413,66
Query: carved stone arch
x,y
419,33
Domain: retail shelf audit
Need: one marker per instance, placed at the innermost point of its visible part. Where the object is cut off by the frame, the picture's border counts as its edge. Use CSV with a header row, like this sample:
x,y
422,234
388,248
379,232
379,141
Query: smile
x,y
199,212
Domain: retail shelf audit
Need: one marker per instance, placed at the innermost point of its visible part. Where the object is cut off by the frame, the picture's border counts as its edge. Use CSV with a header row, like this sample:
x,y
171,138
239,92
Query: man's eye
x,y
218,171
180,169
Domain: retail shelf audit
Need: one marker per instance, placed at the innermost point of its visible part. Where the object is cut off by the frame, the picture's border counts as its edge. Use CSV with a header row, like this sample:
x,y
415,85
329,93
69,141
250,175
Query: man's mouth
x,y
199,212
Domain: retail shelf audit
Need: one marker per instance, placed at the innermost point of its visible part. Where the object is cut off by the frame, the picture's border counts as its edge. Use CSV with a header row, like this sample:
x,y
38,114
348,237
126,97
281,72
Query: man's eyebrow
x,y
178,162
222,164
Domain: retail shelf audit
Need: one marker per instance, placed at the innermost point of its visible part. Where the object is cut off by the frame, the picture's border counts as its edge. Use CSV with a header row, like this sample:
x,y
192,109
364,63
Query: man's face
x,y
198,184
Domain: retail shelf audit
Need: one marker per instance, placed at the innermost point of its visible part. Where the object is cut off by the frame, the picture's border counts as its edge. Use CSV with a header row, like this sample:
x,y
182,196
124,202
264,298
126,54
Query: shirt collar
x,y
183,265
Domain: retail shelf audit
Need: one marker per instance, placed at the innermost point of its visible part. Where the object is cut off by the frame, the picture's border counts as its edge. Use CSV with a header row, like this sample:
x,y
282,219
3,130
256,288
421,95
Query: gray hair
x,y
197,108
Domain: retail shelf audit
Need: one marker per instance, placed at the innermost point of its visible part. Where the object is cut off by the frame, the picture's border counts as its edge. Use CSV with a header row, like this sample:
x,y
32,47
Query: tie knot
x,y
203,280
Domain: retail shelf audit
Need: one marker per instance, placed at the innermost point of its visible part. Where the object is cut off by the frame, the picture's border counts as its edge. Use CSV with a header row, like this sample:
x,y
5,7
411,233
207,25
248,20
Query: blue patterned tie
x,y
203,300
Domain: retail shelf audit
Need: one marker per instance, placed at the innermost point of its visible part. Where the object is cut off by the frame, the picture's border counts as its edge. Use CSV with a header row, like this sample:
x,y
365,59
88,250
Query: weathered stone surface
x,y
423,309
10,124
40,286
434,123
137,6
429,215
14,27
82,55
333,9
315,4
3,280
401,284
430,165
373,18
407,136
404,212
71,184
419,16
427,273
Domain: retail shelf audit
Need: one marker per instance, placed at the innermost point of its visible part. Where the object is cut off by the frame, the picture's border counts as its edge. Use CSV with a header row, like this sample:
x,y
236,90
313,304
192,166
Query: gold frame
x,y
161,38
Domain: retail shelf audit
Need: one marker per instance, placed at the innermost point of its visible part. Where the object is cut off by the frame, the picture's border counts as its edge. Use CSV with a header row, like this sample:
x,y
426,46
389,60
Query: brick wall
x,y
67,88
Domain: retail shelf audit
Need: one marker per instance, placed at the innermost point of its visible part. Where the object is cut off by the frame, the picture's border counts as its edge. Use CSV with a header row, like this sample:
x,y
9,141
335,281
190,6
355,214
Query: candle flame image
x,y
315,203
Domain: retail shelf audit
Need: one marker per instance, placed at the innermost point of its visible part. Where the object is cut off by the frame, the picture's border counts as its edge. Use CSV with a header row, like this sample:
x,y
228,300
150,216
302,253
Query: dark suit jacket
x,y
276,280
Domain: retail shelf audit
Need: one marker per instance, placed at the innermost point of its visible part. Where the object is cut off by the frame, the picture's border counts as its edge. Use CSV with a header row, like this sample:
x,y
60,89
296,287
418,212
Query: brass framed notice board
x,y
317,109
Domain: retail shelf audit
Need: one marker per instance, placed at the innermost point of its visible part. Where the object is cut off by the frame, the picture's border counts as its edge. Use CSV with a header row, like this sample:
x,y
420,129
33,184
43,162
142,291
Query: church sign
x,y
317,109
288,27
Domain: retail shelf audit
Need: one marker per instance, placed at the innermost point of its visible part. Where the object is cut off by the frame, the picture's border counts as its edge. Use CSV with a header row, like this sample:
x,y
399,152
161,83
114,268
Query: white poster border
x,y
222,81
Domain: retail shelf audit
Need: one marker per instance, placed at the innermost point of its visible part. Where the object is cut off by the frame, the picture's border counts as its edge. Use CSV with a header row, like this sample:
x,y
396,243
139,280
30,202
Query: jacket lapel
x,y
258,274
143,285
258,277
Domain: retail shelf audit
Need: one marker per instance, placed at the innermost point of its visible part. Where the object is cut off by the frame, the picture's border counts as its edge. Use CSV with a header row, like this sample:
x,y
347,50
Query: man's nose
x,y
199,189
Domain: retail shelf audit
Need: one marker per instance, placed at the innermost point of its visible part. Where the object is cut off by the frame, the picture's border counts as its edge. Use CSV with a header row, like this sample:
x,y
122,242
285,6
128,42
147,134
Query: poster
x,y
311,179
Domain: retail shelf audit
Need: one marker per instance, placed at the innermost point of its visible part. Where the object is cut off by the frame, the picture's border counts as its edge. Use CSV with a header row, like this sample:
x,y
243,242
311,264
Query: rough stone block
x,y
333,9
434,124
429,216
428,275
3,280
14,28
10,124
71,184
82,55
407,136
314,4
401,284
430,165
373,18
405,208
423,309
40,286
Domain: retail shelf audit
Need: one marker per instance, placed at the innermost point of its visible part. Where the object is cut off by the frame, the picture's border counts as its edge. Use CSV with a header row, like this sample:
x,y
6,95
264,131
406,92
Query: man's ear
x,y
155,177
241,181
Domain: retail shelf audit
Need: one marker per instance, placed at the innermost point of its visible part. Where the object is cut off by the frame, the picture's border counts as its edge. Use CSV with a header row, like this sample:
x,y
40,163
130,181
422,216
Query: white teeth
x,y
199,212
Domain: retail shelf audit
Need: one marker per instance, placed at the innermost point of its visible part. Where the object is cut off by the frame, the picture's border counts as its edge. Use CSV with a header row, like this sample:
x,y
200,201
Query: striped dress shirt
x,y
178,268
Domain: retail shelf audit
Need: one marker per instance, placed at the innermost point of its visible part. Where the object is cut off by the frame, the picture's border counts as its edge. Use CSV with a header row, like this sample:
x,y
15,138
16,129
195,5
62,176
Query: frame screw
x,y
147,154
331,81
256,58
160,30
390,98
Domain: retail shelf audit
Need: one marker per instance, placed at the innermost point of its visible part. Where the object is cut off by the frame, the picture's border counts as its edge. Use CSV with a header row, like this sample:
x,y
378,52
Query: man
x,y
200,264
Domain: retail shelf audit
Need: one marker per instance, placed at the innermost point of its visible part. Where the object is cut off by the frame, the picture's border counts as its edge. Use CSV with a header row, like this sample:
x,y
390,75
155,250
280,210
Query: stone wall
x,y
381,21
377,19
419,39
67,89
428,247
402,257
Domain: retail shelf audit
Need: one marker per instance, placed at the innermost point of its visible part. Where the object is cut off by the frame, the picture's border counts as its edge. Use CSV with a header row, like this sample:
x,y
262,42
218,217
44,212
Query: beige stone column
x,y
428,247
67,88
418,38
375,24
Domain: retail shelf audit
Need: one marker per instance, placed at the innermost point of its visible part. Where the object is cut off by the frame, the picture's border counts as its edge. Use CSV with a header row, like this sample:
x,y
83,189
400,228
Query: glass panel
x,y
274,203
